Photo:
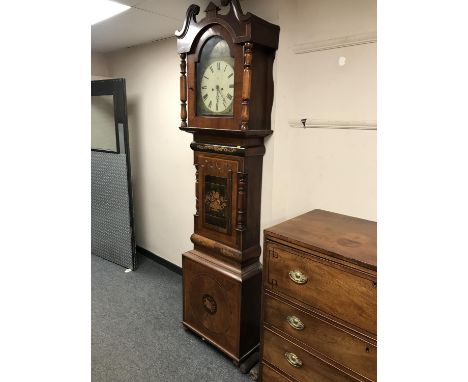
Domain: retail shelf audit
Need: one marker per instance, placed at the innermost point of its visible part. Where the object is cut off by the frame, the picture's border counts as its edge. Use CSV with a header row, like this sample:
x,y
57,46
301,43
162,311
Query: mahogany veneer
x,y
222,274
320,299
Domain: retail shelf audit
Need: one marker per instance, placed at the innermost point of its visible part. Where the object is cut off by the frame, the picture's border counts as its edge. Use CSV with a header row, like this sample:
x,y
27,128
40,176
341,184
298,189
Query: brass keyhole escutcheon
x,y
298,277
295,322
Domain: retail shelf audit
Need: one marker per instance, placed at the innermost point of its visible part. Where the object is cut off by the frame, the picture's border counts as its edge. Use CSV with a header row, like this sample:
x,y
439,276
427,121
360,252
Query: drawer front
x,y
271,375
323,285
276,350
346,349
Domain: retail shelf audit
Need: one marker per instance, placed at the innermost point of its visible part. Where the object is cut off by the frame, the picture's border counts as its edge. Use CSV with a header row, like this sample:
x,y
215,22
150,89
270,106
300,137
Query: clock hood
x,y
242,27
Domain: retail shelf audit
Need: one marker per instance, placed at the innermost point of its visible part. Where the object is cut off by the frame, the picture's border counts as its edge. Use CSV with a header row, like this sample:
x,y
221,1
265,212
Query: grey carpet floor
x,y
137,333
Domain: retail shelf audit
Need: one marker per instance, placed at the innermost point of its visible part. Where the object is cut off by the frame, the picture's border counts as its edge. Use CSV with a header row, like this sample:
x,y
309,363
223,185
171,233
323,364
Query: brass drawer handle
x,y
298,277
295,322
293,359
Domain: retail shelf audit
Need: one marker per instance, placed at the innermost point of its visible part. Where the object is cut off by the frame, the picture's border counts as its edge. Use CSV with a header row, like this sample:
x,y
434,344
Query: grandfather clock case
x,y
226,92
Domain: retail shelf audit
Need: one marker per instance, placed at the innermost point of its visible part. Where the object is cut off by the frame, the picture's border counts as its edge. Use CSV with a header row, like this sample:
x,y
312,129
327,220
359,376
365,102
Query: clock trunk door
x,y
217,197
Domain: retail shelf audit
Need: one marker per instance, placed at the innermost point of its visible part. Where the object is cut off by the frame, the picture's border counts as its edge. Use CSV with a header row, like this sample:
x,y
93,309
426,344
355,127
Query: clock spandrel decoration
x,y
226,93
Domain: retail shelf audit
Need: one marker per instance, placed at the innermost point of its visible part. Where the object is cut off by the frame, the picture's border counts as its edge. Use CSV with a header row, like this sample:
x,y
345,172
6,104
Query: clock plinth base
x,y
221,303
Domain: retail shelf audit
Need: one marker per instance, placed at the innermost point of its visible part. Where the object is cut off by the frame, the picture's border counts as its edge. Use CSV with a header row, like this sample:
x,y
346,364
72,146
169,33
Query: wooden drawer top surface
x,y
344,237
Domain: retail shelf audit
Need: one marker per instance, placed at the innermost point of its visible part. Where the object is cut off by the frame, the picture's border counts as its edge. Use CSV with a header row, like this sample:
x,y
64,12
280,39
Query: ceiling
x,y
145,21
151,20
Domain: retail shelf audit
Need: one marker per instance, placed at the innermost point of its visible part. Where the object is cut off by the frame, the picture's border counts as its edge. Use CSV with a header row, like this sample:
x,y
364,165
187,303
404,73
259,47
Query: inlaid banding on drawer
x,y
329,288
326,338
311,369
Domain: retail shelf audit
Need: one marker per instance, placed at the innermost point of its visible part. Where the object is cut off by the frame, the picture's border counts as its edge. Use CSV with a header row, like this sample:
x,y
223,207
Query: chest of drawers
x,y
319,301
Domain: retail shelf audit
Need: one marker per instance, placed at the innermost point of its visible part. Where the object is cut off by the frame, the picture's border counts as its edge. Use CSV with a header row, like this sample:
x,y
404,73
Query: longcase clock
x,y
226,92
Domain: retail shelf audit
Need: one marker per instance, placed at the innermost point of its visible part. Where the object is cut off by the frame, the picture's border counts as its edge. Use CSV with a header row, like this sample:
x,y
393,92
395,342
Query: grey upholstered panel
x,y
111,233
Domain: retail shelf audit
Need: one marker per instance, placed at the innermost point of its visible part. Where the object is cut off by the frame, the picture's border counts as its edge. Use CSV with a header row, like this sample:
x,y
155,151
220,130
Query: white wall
x,y
329,169
303,168
162,164
99,66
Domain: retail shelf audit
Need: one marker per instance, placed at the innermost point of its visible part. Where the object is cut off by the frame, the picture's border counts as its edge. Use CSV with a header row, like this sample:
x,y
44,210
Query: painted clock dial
x,y
215,79
217,86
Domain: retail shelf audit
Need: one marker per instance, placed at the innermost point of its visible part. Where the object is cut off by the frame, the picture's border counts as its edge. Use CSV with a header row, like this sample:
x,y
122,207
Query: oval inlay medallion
x,y
210,304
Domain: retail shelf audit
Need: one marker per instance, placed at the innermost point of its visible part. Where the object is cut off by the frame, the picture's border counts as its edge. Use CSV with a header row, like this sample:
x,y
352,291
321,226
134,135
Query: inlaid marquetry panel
x,y
216,202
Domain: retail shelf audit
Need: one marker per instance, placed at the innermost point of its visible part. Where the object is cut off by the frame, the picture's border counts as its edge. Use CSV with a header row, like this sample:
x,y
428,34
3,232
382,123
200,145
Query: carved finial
x,y
212,9
235,7
191,14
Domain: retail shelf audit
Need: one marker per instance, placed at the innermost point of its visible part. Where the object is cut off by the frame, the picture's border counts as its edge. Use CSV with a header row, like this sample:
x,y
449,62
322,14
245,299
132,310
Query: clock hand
x,y
217,96
224,99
